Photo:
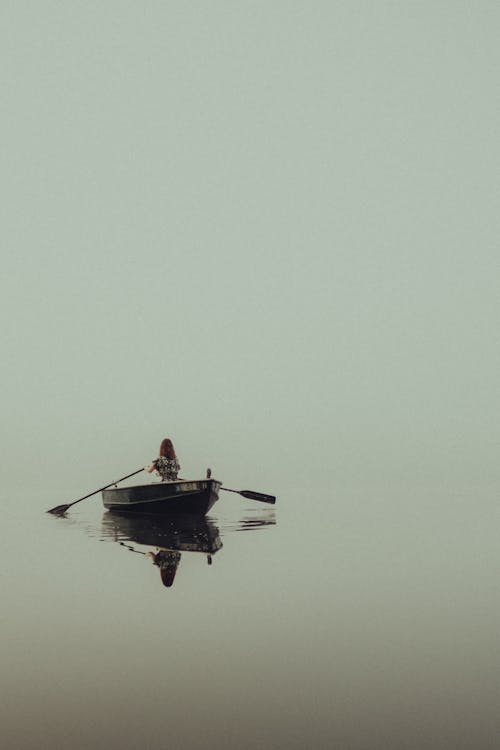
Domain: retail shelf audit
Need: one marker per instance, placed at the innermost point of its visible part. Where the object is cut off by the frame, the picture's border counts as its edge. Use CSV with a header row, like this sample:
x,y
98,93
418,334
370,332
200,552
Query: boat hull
x,y
184,496
177,532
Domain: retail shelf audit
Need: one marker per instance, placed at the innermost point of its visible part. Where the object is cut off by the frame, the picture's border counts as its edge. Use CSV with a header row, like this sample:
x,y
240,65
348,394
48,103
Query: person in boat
x,y
166,465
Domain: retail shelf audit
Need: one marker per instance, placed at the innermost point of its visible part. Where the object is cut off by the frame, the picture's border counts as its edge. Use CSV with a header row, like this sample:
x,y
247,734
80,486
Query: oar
x,y
59,509
253,495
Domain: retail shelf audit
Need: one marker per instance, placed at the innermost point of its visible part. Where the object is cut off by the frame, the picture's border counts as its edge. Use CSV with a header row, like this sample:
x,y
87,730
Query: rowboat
x,y
185,496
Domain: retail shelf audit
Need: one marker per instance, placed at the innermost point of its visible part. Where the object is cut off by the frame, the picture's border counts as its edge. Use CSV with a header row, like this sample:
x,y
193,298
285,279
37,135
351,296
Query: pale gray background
x,y
268,230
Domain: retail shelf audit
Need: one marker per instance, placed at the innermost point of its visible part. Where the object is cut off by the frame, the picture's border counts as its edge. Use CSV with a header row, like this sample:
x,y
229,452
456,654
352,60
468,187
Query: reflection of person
x,y
168,562
166,465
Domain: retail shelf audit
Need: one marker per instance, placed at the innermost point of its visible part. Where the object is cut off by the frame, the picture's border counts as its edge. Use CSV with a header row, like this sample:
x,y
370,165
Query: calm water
x,y
333,620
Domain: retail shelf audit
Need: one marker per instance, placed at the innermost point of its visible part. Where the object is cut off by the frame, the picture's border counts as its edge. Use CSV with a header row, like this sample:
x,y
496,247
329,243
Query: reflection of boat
x,y
182,496
170,535
175,533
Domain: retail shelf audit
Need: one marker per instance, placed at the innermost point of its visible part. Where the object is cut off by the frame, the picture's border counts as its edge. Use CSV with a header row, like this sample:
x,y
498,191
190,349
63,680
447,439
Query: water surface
x,y
348,620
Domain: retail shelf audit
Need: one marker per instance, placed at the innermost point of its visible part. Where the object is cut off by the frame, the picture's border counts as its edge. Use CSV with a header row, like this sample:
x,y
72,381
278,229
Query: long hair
x,y
167,449
168,562
167,576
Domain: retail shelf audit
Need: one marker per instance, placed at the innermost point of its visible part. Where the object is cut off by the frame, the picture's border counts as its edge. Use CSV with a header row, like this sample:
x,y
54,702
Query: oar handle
x,y
63,508
105,487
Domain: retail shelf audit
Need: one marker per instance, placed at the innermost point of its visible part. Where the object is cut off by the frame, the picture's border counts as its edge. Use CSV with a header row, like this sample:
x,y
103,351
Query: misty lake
x,y
352,620
270,231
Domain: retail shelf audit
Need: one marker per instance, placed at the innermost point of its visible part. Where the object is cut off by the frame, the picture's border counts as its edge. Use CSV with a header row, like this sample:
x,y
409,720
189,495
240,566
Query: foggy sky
x,y
268,230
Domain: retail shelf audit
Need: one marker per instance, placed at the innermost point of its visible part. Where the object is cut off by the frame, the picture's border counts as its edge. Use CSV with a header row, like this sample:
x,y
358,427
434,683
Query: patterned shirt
x,y
167,468
165,558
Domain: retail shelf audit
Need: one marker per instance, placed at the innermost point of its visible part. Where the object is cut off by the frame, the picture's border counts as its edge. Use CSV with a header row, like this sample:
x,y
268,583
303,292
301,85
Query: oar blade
x,y
58,510
258,496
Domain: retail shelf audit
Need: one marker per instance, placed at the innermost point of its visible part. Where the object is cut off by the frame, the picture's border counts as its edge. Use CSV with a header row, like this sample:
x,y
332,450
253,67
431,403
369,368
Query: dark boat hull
x,y
184,496
183,533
